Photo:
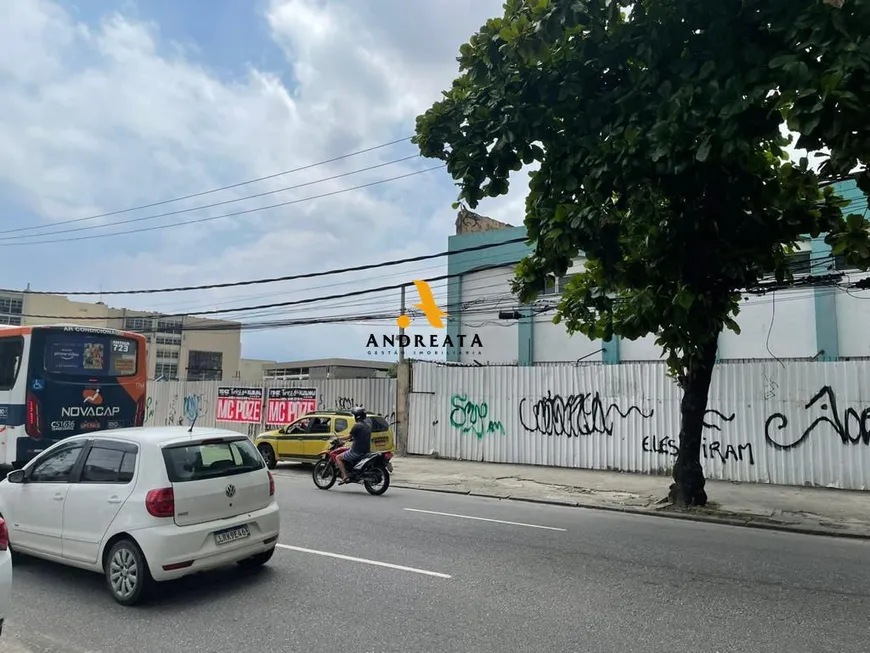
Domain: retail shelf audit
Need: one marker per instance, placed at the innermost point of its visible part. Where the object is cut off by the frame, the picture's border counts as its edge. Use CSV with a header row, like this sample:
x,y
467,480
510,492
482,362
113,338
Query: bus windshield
x,y
90,355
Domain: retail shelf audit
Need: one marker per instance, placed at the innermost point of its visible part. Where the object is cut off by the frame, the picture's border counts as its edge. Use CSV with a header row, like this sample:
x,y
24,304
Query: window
x,y
167,353
169,326
211,459
800,263
137,323
556,286
10,310
105,465
11,351
320,425
167,370
340,425
205,365
164,339
379,424
57,467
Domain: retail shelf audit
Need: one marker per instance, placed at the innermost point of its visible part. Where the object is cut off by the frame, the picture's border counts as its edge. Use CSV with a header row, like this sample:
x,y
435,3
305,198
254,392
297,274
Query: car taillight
x,y
4,535
271,483
32,425
140,412
160,503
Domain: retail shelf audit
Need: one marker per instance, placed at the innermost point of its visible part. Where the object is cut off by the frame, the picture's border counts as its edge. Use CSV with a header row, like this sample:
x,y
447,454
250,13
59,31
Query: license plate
x,y
389,467
232,534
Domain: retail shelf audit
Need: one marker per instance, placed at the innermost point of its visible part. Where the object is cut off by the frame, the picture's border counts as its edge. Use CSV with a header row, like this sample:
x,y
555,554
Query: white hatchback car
x,y
5,574
144,504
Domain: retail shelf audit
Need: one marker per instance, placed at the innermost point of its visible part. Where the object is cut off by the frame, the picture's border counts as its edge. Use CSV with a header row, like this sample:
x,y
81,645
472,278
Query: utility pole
x,y
402,329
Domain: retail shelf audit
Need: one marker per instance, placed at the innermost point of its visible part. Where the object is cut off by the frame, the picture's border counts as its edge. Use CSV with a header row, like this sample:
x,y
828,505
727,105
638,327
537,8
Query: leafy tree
x,y
658,127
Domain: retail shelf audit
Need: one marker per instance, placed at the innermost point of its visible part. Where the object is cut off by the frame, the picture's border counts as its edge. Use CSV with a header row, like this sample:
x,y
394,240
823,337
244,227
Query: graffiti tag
x,y
852,426
574,415
470,417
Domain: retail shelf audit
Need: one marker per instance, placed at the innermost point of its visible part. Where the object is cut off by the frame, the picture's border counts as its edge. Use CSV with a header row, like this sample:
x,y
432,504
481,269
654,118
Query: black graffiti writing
x,y
713,450
349,403
852,426
345,403
722,416
574,415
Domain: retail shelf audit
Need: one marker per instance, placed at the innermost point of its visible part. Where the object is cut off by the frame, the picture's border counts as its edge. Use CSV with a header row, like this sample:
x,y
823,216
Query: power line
x,y
209,192
210,206
292,277
225,215
354,293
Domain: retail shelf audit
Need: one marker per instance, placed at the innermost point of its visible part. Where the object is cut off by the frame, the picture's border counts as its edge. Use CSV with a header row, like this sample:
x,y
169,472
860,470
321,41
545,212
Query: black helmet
x,y
359,413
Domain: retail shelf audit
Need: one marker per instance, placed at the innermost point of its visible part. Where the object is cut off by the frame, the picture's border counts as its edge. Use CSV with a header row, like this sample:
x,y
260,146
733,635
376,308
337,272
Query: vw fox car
x,y
143,505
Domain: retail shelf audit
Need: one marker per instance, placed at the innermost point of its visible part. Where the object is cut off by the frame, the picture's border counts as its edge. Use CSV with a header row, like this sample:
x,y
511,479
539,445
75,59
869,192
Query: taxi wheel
x,y
268,454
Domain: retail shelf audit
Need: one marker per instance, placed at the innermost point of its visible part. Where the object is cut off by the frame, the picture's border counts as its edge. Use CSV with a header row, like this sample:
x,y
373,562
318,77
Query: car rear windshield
x,y
212,458
379,424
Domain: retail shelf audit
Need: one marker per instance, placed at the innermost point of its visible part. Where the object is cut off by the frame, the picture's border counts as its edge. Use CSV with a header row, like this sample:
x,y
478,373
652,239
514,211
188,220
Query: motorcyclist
x,y
361,439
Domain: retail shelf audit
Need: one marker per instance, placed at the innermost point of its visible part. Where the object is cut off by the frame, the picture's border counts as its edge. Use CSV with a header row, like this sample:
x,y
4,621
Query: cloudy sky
x,y
112,104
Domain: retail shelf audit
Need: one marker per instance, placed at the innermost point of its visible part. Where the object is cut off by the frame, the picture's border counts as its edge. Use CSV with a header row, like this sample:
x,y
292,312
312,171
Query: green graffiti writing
x,y
470,417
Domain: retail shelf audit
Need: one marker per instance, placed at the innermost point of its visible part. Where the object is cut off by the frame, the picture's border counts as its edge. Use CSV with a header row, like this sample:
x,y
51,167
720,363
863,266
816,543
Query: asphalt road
x,y
590,581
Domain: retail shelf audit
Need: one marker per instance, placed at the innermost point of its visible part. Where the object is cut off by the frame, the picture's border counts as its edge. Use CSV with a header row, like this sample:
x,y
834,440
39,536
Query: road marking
x,y
364,561
497,521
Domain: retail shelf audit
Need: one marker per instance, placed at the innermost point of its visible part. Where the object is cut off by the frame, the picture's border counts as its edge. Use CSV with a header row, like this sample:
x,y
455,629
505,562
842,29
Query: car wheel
x,y
257,560
127,574
268,455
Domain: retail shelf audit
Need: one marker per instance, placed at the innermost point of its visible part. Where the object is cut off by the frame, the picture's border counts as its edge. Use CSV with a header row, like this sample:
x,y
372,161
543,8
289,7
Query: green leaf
x,y
703,151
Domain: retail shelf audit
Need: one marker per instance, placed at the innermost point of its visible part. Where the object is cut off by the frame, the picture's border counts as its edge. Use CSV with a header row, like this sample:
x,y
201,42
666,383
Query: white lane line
x,y
497,521
364,561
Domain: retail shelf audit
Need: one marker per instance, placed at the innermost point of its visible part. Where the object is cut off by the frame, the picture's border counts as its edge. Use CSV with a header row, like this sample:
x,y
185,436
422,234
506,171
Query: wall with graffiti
x,y
179,402
790,423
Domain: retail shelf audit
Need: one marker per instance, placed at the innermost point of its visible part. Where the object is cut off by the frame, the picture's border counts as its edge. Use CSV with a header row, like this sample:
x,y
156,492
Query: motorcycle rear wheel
x,y
325,474
378,489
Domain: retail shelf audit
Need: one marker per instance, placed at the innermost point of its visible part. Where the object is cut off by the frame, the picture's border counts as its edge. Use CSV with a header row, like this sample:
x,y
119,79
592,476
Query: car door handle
x,y
58,497
114,499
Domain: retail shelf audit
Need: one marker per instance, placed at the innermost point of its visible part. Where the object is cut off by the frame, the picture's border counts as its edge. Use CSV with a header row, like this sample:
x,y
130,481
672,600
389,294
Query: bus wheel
x,y
268,455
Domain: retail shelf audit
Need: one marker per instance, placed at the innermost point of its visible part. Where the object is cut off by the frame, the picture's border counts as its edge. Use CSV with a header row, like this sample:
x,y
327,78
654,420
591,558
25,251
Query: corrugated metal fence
x,y
176,402
796,423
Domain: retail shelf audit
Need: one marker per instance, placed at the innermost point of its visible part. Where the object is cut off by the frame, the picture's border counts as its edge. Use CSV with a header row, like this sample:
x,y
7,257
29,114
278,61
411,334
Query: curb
x,y
707,519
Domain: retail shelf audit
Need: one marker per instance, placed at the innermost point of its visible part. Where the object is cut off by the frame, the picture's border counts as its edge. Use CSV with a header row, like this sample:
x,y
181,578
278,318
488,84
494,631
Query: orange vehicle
x,y
64,379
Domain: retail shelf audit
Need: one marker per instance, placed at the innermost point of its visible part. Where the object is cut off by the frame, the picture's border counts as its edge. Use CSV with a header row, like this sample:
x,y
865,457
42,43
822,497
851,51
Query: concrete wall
x,y
801,423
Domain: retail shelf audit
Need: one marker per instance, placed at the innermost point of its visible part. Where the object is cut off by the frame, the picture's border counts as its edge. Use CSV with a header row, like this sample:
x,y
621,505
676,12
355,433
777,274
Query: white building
x,y
813,323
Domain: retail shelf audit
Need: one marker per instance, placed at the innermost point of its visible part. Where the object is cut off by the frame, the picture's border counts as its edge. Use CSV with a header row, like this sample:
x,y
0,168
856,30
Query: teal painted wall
x,y
465,262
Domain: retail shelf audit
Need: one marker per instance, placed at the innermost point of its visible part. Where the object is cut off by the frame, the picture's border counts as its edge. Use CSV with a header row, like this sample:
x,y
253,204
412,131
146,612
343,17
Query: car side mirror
x,y
16,476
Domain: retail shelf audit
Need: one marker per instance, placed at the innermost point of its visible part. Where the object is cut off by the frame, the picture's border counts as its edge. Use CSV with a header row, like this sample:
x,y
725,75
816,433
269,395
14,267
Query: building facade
x,y
327,368
812,323
188,348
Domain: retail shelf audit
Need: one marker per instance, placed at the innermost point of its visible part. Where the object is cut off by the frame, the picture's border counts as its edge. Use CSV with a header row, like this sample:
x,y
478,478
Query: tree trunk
x,y
688,486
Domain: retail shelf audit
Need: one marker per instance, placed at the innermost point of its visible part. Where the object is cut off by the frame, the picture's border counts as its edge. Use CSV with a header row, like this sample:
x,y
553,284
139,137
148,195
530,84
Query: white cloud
x,y
109,113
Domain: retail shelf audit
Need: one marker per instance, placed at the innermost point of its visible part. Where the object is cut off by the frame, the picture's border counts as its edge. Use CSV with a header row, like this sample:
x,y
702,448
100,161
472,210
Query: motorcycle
x,y
373,471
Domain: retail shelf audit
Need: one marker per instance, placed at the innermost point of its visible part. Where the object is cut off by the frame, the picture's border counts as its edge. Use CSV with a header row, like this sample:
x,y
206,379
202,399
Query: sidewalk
x,y
810,510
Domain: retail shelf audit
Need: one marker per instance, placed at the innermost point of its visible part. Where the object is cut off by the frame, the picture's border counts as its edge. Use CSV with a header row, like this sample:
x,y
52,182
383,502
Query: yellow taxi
x,y
303,439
